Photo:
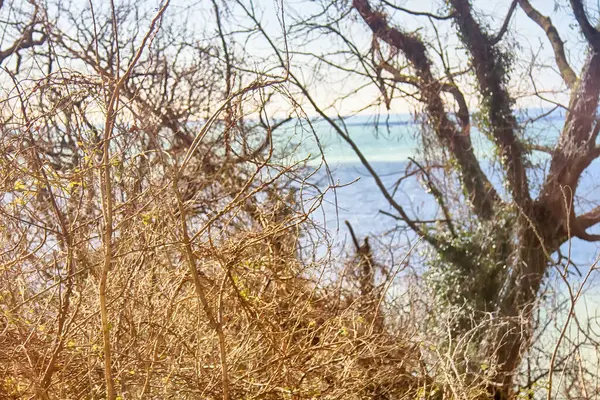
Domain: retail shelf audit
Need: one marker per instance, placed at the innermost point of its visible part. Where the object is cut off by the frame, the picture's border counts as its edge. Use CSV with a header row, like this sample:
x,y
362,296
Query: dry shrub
x,y
286,334
180,276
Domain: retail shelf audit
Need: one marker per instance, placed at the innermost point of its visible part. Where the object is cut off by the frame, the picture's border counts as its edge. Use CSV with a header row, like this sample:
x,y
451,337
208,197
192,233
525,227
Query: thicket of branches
x,y
156,237
150,231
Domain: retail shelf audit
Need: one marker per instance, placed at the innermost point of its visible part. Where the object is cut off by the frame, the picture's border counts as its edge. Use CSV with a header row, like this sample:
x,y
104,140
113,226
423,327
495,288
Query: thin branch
x,y
542,148
504,27
418,221
545,23
437,194
463,111
418,13
353,235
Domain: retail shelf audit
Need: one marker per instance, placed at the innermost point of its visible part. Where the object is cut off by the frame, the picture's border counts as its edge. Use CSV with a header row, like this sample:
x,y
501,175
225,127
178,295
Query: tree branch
x,y
576,147
463,110
417,221
418,13
504,27
545,23
353,235
479,190
588,237
491,76
437,194
589,219
589,32
26,40
399,209
542,148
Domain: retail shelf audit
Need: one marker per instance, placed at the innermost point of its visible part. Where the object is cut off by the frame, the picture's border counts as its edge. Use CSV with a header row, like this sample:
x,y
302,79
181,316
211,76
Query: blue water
x,y
388,145
388,148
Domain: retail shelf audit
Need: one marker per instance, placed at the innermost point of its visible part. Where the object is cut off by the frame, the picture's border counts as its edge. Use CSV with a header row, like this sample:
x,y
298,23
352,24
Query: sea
x,y
388,143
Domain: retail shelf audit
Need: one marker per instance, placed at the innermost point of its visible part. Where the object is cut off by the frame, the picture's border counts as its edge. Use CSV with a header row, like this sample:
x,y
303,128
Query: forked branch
x,y
27,39
477,186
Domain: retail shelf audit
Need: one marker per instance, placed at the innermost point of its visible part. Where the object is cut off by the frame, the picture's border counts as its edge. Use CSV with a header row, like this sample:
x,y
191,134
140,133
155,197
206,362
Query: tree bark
x,y
551,221
538,237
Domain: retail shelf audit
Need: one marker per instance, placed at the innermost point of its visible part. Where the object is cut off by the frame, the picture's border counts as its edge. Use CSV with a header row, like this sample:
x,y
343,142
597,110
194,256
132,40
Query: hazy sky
x,y
349,92
533,53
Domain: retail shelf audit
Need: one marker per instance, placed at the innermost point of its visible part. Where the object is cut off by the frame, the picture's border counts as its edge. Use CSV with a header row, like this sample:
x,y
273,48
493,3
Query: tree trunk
x,y
540,234
547,225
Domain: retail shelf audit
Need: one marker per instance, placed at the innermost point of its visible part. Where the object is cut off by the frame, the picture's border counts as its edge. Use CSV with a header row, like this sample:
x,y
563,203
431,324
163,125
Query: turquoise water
x,y
388,144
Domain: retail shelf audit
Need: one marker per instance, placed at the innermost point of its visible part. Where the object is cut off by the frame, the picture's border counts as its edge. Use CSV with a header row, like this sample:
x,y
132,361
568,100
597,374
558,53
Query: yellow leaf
x,y
20,185
20,201
146,219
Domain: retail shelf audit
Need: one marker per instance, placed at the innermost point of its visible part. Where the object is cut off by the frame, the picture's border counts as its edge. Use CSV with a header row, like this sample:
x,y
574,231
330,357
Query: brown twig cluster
x,y
156,230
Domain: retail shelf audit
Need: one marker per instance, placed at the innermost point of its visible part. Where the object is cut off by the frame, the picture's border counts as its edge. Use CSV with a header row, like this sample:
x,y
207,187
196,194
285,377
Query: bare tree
x,y
510,237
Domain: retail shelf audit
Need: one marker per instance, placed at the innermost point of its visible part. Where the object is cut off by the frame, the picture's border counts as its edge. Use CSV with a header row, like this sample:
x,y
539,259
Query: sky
x,y
533,53
333,87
